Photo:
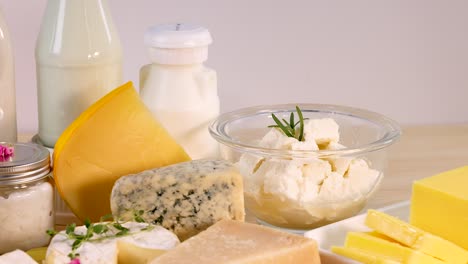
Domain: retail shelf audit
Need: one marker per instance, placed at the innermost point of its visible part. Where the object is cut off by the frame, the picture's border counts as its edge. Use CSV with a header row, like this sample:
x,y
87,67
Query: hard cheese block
x,y
105,248
185,198
439,205
116,136
233,242
17,256
416,238
389,250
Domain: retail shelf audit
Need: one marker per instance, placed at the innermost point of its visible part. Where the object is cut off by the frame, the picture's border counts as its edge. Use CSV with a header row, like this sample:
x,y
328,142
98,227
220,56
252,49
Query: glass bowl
x,y
301,188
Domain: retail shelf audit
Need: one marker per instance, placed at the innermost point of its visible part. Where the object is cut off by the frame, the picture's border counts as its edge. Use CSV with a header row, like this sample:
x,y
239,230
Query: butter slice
x,y
439,205
416,238
390,250
234,242
362,255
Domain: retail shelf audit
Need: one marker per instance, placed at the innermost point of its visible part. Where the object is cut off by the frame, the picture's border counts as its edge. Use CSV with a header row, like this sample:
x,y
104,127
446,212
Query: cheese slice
x,y
185,198
132,254
362,255
416,238
116,136
17,256
102,249
392,251
439,205
234,242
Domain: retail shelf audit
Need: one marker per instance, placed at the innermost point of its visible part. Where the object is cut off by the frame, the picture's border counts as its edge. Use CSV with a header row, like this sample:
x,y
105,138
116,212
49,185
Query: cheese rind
x,y
116,136
416,238
393,251
16,256
439,205
185,198
234,242
105,250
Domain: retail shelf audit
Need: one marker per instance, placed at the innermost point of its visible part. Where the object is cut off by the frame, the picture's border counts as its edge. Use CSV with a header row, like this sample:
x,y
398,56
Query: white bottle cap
x,y
178,43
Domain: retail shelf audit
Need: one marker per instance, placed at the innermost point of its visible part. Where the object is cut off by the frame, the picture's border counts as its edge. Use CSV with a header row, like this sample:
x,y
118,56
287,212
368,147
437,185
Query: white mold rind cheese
x,y
185,198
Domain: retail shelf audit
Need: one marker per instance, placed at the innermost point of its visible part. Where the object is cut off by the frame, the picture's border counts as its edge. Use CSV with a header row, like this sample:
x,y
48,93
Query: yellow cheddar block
x,y
416,238
439,205
362,256
389,250
116,136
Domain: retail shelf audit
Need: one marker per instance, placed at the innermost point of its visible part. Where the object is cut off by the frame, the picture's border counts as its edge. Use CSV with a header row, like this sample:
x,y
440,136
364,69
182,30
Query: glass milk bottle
x,y
179,90
78,60
7,86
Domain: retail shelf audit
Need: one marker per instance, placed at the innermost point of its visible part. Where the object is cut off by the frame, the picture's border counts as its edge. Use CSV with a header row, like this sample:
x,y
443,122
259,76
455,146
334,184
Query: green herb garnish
x,y
105,230
289,128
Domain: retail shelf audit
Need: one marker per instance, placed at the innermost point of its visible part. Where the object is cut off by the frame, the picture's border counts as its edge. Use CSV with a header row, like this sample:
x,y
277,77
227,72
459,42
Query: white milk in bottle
x,y
7,86
78,60
179,90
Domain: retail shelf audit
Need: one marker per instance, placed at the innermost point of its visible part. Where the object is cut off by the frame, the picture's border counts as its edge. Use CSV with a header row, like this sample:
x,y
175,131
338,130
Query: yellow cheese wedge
x,y
439,205
116,136
129,253
362,256
38,254
383,248
416,238
234,242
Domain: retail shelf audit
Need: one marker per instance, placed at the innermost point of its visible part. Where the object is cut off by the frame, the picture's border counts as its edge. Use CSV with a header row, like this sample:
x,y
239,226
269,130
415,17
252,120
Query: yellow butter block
x,y
391,251
439,205
416,238
362,256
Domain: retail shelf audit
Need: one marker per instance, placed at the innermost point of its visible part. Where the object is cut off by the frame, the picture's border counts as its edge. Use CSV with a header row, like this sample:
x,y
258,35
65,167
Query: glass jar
x,y
26,198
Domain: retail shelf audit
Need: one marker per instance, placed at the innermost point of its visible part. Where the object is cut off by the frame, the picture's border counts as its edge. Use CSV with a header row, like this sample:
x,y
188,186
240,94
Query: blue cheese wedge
x,y
17,256
105,248
185,198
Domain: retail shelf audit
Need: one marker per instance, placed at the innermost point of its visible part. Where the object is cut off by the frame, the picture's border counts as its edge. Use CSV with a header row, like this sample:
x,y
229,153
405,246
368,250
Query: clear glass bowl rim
x,y
392,130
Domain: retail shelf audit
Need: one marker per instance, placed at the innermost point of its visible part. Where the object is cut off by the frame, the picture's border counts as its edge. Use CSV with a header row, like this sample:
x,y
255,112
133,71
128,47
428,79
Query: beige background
x,y
405,59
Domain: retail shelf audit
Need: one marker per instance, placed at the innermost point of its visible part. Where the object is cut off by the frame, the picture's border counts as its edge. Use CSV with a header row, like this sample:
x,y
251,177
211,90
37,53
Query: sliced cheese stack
x,y
439,205
139,246
382,250
114,137
233,242
185,198
416,238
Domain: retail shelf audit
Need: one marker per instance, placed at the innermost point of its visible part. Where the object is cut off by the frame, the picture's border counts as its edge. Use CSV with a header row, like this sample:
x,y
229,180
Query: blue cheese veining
x,y
185,198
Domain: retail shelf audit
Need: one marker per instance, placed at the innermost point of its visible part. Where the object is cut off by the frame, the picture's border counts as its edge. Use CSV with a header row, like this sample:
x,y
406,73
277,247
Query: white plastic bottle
x,y
179,90
78,60
7,86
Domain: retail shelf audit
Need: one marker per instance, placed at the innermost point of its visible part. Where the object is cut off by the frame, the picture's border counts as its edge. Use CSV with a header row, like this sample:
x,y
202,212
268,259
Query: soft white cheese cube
x,y
322,131
276,139
339,164
282,178
17,256
314,173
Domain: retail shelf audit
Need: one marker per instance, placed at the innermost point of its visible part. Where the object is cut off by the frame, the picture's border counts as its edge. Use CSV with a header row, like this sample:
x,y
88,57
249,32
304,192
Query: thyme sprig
x,y
289,128
105,230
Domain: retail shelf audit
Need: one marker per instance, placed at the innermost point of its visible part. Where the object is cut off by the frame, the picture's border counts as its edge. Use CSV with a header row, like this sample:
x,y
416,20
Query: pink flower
x,y
75,261
6,152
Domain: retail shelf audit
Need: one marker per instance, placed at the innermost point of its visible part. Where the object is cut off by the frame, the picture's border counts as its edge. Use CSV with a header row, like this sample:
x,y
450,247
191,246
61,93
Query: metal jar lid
x,y
30,162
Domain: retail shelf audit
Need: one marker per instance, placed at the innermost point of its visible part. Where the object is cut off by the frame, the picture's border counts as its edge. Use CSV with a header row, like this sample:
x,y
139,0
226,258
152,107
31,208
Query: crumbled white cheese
x,y
298,183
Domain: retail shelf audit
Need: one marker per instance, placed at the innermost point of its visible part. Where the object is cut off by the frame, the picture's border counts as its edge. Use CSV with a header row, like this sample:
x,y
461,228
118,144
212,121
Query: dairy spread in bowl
x,y
325,175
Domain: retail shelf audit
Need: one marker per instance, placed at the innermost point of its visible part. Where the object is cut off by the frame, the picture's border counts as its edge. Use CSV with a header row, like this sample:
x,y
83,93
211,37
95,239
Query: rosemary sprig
x,y
289,128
